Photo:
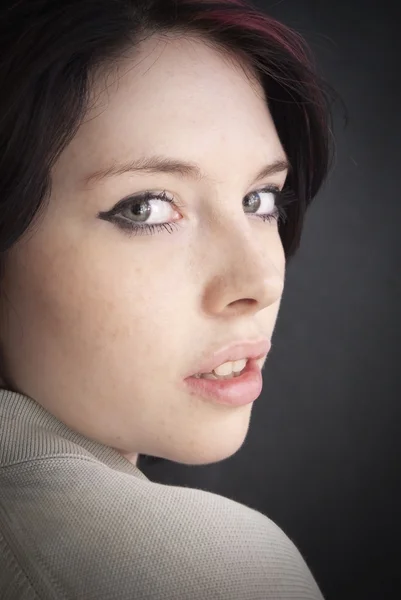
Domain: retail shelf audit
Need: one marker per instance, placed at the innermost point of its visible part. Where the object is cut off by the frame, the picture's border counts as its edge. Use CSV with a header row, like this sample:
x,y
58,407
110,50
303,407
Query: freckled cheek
x,y
109,299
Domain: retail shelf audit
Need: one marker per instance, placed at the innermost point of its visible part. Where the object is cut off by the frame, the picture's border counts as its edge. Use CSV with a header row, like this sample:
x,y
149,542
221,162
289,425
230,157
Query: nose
x,y
248,270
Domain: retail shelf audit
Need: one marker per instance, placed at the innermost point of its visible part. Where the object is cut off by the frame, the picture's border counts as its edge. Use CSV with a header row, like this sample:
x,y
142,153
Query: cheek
x,y
278,253
274,262
90,300
277,272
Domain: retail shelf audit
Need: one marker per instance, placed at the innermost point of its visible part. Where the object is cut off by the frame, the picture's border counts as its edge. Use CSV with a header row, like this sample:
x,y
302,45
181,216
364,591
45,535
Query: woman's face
x,y
103,326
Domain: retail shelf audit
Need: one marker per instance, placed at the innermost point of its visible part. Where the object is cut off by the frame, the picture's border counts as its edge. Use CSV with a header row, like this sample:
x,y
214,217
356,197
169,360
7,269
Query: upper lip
x,y
234,351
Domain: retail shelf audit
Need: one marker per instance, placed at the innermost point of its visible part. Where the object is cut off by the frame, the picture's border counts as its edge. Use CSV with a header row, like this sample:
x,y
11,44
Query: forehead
x,y
176,96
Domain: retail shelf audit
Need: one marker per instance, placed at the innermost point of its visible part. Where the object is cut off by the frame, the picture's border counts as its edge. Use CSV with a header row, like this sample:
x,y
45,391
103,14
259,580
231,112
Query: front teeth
x,y
226,370
229,367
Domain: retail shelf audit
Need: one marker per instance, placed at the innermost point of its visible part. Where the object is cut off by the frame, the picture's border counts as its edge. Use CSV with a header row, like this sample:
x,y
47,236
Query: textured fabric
x,y
79,521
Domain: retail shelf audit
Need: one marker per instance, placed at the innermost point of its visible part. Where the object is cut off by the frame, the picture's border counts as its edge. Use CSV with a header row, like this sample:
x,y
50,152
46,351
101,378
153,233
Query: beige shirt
x,y
79,521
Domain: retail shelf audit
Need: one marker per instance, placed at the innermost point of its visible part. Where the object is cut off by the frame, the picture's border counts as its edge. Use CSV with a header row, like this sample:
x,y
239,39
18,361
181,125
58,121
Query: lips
x,y
235,351
234,392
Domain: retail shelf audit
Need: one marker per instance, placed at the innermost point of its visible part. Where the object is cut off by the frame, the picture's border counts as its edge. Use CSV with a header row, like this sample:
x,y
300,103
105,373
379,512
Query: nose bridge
x,y
248,265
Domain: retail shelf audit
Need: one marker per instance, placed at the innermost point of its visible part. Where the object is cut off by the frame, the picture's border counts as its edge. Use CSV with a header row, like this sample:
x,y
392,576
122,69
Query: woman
x,y
157,158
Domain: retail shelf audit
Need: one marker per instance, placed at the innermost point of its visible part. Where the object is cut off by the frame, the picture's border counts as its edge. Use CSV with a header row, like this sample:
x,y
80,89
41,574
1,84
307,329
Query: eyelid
x,y
164,196
143,196
274,187
283,197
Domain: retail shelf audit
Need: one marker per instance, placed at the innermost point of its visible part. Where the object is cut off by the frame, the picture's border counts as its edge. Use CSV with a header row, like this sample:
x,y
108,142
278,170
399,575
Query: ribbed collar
x,y
38,433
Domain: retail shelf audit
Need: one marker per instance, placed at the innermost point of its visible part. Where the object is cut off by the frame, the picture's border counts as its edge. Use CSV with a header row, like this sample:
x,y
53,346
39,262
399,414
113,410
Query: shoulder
x,y
81,529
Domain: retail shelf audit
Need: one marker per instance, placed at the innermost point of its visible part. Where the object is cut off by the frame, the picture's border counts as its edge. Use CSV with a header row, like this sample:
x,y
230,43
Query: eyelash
x,y
282,199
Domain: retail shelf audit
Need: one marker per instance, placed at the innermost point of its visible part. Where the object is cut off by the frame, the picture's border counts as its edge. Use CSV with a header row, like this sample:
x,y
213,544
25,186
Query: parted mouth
x,y
231,370
233,359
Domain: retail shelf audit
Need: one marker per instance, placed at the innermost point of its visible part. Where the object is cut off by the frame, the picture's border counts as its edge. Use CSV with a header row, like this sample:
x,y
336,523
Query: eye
x,y
267,203
149,208
141,214
147,213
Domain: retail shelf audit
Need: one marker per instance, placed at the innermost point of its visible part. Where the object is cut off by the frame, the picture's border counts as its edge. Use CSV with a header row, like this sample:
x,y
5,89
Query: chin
x,y
206,440
206,452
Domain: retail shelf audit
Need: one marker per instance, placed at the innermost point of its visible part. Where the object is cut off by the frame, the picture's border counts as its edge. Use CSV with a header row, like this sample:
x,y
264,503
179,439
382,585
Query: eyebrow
x,y
161,164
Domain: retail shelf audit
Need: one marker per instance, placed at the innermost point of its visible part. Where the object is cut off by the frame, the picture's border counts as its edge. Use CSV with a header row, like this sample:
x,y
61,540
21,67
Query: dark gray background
x,y
323,450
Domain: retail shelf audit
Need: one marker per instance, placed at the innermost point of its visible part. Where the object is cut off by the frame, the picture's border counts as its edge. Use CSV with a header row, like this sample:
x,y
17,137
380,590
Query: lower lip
x,y
237,391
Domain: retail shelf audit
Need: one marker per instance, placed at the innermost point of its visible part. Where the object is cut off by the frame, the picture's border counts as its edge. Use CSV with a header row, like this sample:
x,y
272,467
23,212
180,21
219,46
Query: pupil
x,y
141,210
252,202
